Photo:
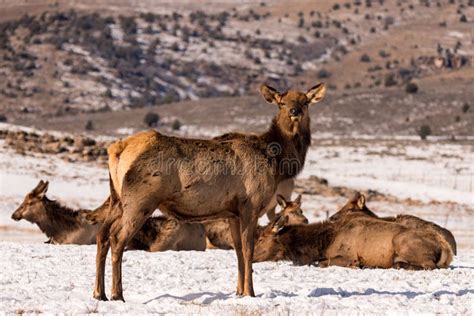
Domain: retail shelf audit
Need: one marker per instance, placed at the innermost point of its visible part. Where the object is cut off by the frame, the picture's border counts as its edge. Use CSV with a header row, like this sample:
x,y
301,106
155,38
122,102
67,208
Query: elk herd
x,y
212,193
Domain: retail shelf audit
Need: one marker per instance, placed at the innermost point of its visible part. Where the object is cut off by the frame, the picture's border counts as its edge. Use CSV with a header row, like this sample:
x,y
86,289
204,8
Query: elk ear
x,y
316,93
281,201
44,189
271,95
39,186
41,189
298,200
280,224
361,201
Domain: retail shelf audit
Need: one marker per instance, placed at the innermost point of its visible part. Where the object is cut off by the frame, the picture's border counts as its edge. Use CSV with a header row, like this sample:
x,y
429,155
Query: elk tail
x,y
98,215
446,256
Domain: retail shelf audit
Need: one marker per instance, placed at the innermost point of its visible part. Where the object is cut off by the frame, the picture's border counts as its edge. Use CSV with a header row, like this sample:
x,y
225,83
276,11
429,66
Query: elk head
x,y
267,246
292,210
293,116
33,206
356,205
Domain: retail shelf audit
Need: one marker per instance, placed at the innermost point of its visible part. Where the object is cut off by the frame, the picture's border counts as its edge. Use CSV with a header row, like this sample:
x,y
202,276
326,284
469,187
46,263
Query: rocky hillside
x,y
67,58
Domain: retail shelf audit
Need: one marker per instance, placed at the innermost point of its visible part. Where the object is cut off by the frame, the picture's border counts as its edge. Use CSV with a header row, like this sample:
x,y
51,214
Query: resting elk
x,y
63,225
354,239
403,219
149,170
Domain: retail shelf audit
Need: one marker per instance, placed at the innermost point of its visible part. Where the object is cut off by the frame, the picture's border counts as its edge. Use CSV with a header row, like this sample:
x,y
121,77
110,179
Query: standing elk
x,y
63,225
354,239
149,170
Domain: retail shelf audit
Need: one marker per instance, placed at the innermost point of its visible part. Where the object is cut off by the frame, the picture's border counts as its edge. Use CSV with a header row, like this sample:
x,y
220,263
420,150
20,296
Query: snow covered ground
x,y
35,277
50,279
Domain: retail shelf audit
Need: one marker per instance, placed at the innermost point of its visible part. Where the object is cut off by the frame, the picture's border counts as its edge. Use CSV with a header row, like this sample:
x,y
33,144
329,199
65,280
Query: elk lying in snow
x,y
354,239
149,170
403,219
219,235
63,225
161,234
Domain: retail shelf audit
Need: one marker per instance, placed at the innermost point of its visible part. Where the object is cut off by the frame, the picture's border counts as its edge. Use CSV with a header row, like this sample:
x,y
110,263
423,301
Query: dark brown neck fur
x,y
58,219
289,161
306,244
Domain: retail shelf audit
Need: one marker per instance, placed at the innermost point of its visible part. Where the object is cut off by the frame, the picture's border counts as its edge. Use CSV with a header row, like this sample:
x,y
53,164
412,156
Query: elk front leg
x,y
247,231
235,230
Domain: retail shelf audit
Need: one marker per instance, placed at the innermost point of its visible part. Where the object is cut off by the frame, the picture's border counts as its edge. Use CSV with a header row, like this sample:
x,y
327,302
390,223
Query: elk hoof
x,y
249,293
118,297
100,297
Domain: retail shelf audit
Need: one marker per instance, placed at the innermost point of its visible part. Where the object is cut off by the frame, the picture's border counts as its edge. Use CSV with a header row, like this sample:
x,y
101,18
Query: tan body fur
x,y
162,234
418,223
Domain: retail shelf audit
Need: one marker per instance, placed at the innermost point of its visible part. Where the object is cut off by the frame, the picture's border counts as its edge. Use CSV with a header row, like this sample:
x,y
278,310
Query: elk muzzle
x,y
16,216
295,111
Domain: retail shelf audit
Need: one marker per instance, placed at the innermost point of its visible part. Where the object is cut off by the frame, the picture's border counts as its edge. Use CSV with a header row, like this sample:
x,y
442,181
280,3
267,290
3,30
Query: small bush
x,y
463,18
465,107
3,118
389,80
365,58
151,119
424,131
383,53
89,126
323,73
176,125
411,87
301,23
108,93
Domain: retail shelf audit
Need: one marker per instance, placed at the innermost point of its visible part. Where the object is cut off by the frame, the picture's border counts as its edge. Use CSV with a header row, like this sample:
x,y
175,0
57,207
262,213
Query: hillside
x,y
68,63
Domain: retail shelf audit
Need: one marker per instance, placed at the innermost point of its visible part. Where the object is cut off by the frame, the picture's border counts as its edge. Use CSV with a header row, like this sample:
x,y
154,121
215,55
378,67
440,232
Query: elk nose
x,y
295,111
306,221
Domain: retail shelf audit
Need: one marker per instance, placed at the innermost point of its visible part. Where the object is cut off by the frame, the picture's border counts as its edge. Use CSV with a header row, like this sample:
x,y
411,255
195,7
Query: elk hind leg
x,y
103,246
121,232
